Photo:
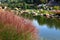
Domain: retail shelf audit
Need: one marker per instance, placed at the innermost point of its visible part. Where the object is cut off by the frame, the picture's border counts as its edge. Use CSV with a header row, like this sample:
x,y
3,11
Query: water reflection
x,y
50,22
49,28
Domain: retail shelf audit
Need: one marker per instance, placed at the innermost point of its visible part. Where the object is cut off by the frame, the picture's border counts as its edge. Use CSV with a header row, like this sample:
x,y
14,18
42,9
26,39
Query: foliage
x,y
43,1
56,7
50,22
13,27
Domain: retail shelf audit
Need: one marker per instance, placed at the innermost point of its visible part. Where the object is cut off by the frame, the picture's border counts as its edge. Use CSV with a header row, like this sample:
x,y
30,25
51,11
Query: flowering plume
x,y
13,27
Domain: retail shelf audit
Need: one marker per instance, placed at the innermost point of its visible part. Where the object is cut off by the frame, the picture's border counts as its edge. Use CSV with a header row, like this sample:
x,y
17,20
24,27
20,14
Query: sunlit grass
x,y
13,27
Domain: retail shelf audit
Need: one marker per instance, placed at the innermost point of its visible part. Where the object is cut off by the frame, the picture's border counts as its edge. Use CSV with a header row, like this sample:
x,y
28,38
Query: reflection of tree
x,y
49,21
28,16
57,23
41,20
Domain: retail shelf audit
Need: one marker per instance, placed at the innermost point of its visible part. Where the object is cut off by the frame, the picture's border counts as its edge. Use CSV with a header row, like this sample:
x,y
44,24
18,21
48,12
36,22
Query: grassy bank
x,y
13,27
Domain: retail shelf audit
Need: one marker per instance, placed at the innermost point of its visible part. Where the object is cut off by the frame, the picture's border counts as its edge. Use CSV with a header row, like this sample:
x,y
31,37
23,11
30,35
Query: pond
x,y
49,28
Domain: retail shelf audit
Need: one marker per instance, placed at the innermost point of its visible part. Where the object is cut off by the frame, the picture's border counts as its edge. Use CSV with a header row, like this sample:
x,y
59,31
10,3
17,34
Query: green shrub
x,y
56,7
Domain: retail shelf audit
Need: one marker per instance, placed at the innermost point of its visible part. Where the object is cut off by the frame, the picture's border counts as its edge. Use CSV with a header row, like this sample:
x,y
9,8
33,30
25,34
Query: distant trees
x,y
28,1
58,1
18,1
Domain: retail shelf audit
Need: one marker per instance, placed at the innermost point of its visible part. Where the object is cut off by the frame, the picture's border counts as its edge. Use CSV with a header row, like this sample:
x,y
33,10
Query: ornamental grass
x,y
13,27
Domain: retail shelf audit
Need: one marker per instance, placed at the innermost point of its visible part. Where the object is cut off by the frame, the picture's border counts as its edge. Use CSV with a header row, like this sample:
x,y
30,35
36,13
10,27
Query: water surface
x,y
49,28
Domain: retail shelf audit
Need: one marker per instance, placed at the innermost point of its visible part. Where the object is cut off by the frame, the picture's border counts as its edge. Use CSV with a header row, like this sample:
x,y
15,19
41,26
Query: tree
x,y
44,1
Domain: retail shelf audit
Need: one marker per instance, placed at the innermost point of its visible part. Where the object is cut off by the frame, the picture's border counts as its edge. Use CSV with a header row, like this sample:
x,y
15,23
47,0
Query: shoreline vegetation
x,y
13,27
49,12
33,12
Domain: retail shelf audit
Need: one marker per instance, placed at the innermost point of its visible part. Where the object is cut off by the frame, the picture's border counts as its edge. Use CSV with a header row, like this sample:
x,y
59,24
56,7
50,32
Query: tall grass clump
x,y
13,27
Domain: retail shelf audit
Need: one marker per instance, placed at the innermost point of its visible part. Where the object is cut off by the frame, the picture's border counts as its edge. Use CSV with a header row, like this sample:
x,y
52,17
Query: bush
x,y
56,7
